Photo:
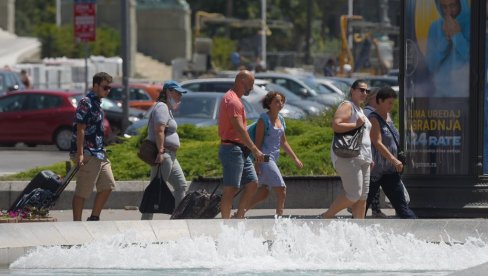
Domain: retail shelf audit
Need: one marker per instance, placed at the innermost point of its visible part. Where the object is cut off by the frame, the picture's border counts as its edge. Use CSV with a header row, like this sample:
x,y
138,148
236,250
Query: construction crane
x,y
374,42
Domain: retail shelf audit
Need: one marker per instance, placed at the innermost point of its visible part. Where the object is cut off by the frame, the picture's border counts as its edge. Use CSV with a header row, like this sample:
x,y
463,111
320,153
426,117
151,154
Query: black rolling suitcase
x,y
43,190
199,204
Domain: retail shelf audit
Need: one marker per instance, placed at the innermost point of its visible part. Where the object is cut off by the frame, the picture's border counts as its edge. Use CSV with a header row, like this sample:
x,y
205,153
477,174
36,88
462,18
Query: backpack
x,y
251,129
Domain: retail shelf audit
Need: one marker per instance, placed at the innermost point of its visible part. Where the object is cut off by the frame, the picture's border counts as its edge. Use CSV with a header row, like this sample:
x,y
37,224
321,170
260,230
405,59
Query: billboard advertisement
x,y
436,86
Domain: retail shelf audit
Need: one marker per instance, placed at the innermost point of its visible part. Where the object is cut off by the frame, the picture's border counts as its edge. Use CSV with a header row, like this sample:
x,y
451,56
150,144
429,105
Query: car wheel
x,y
62,139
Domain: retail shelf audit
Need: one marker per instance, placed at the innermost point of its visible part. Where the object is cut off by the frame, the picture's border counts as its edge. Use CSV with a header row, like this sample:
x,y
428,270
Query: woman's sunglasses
x,y
363,90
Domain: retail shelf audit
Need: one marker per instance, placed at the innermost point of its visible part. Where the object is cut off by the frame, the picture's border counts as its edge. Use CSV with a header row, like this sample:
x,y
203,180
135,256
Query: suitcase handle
x,y
69,176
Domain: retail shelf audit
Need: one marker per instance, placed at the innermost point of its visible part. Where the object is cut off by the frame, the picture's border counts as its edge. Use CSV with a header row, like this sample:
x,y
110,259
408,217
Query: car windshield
x,y
75,99
135,94
341,85
109,105
316,86
197,107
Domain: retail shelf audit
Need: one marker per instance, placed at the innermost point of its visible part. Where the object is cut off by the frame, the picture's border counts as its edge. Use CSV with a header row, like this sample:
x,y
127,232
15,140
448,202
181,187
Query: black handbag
x,y
348,144
157,197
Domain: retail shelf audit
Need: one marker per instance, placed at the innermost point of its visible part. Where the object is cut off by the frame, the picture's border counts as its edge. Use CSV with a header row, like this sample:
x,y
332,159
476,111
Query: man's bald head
x,y
244,83
244,75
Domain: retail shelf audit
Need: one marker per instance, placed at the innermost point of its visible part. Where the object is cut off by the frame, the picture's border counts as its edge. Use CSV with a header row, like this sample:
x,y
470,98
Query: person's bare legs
x,y
77,204
226,202
359,209
280,200
246,197
100,200
340,203
258,197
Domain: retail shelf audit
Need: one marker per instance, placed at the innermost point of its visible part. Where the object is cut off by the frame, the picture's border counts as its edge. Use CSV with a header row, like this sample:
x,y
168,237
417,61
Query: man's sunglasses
x,y
107,87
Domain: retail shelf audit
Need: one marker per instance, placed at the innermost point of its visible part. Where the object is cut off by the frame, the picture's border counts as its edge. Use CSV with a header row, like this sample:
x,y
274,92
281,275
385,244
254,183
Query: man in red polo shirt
x,y
235,147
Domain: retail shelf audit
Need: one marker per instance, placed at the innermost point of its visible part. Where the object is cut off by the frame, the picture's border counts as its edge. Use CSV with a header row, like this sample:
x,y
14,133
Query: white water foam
x,y
336,246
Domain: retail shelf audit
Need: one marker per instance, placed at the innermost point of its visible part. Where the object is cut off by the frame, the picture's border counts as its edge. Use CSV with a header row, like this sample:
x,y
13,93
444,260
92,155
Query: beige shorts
x,y
94,172
354,174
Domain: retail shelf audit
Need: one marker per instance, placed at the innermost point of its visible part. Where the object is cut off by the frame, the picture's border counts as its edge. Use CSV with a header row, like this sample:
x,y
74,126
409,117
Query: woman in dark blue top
x,y
387,168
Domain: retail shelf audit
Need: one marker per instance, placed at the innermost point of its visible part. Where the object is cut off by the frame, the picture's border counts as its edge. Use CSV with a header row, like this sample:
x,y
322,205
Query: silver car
x,y
298,87
223,85
198,109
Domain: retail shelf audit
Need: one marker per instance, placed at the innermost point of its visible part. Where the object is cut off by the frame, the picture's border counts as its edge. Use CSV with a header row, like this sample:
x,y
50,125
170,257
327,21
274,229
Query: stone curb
x,y
302,193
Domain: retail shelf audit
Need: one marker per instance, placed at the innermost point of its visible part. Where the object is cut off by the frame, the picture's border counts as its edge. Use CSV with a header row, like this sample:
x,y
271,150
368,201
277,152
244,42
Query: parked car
x,y
114,115
380,81
138,97
9,82
372,81
344,84
310,107
199,109
223,85
39,117
393,73
324,87
298,87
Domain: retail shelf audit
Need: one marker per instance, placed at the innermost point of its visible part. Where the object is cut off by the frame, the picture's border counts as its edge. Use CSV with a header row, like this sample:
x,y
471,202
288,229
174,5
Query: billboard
x,y
436,94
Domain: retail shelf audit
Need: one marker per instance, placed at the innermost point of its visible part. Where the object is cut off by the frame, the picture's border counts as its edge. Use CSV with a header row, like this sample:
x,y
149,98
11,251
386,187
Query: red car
x,y
141,96
39,117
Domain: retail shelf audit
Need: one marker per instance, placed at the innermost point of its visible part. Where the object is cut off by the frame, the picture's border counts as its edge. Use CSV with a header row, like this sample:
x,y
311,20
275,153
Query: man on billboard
x,y
447,55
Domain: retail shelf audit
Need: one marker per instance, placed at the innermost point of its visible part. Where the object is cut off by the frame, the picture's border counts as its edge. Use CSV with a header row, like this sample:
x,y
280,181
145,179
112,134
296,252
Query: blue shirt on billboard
x,y
447,57
90,113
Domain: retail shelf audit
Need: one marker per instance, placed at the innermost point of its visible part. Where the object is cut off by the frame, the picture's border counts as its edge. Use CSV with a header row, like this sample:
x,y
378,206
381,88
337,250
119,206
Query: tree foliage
x,y
324,31
31,13
37,18
60,41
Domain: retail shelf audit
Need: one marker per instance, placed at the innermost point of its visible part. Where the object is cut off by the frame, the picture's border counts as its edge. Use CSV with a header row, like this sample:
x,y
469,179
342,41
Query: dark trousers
x,y
394,191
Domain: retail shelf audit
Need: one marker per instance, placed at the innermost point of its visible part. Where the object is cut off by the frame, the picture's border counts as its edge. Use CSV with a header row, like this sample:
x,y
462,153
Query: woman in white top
x,y
355,171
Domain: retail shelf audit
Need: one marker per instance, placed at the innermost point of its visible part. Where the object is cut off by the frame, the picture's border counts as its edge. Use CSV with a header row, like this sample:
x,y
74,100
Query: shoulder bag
x,y
348,144
400,153
148,151
157,197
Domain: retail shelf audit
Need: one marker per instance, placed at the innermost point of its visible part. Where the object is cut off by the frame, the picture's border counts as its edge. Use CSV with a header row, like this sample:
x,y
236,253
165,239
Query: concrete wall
x,y
7,15
164,34
302,193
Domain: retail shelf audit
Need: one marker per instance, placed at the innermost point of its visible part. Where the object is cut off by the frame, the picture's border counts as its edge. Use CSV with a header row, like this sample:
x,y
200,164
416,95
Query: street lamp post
x,y
263,32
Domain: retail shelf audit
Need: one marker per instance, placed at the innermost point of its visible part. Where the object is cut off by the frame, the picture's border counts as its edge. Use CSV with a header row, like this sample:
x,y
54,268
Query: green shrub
x,y
310,139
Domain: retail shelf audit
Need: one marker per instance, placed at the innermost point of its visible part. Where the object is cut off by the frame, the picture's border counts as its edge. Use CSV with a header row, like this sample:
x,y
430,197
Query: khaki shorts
x,y
354,174
94,172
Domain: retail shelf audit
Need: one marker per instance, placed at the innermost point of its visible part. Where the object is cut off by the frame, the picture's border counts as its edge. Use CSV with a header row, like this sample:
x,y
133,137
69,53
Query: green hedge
x,y
309,138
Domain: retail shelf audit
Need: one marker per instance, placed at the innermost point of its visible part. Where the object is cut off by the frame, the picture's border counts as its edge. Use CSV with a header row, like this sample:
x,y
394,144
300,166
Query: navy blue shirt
x,y
90,113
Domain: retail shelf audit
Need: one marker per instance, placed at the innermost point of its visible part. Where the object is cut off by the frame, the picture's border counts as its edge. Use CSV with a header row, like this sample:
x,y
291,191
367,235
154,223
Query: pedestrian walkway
x,y
133,214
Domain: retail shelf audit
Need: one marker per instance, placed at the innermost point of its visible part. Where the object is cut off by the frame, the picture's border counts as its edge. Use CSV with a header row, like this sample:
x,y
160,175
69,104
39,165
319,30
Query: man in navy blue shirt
x,y
87,150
